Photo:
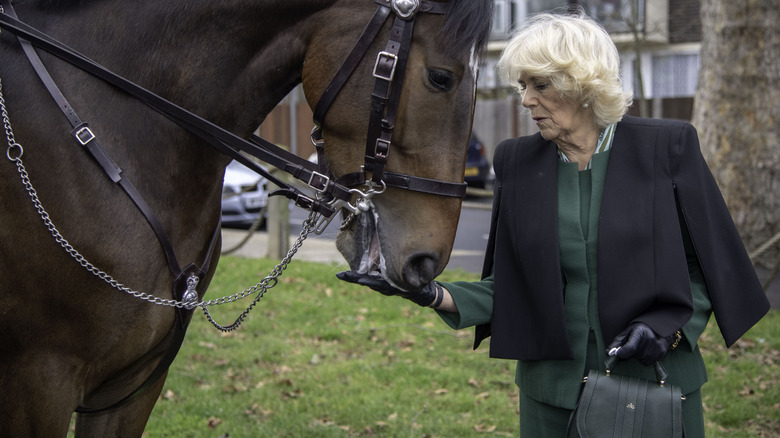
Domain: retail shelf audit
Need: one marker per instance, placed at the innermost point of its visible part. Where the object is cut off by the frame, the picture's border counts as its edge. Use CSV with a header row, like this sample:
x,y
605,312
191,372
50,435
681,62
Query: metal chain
x,y
14,154
13,146
266,283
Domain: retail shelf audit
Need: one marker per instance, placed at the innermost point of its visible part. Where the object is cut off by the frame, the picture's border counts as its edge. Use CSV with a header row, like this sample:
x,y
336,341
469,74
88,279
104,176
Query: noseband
x,y
389,71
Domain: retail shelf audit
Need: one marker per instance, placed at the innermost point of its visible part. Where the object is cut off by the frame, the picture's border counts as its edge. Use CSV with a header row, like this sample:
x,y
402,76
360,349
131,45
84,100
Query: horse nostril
x,y
420,269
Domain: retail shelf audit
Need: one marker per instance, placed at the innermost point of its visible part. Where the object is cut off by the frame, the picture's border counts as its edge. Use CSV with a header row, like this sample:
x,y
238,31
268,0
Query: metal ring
x,y
11,148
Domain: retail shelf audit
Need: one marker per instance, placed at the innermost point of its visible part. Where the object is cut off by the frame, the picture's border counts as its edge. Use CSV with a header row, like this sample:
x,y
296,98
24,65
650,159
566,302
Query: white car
x,y
244,196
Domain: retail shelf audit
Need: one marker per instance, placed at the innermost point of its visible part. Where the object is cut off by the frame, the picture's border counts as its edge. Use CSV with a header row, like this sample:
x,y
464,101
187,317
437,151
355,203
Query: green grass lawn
x,y
322,358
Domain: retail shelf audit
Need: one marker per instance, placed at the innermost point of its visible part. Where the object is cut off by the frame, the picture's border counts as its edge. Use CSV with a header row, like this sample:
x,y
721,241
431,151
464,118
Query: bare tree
x,y
737,113
629,18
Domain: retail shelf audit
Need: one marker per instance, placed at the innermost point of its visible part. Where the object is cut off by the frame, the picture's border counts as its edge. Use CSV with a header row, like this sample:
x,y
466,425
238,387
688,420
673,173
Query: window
x,y
675,75
507,13
617,16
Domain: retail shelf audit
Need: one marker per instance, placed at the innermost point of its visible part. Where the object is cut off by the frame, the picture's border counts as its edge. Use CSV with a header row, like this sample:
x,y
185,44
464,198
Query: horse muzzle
x,y
371,252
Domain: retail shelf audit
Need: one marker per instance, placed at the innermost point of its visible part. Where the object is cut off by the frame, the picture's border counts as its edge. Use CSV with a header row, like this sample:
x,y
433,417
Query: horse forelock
x,y
467,25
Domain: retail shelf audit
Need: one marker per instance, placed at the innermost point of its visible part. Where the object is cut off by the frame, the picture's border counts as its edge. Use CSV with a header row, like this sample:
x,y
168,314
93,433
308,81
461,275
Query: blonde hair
x,y
579,58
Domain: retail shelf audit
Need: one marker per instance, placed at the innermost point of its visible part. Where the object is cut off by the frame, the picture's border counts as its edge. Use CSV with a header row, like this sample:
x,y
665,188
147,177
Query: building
x,y
658,40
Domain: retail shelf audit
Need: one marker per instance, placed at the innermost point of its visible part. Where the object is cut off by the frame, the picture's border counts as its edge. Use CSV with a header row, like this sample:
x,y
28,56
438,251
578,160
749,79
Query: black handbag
x,y
620,406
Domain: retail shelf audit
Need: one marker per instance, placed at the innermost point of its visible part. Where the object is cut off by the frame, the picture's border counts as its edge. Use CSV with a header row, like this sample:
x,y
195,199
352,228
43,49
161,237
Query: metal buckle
x,y
304,202
381,150
84,135
392,59
319,182
316,137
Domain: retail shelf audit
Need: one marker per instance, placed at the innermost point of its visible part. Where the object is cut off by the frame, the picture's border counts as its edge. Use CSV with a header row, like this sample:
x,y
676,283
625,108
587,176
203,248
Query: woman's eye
x,y
441,80
541,87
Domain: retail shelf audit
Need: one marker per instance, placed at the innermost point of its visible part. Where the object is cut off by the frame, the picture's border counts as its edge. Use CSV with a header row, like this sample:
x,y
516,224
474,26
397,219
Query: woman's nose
x,y
528,99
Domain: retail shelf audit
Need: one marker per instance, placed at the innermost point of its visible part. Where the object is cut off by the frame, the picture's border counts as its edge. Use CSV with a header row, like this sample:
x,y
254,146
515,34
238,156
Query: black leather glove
x,y
640,341
424,297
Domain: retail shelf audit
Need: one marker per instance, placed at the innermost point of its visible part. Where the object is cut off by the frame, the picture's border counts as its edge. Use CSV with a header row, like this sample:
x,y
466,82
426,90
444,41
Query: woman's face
x,y
558,119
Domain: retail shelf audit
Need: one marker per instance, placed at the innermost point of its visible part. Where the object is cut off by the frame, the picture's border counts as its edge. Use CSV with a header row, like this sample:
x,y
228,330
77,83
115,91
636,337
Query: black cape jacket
x,y
655,166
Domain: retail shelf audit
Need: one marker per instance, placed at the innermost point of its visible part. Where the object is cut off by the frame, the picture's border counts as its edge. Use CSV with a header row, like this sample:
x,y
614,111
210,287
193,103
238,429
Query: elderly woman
x,y
608,234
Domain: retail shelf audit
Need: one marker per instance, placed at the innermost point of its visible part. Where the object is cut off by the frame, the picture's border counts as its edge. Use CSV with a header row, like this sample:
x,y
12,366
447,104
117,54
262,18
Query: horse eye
x,y
441,80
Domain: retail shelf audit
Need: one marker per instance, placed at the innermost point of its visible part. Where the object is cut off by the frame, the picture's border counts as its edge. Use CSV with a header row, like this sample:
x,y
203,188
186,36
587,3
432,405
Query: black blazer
x,y
654,167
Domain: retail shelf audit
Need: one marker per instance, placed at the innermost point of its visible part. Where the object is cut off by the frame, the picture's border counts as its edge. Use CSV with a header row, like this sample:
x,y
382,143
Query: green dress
x,y
549,389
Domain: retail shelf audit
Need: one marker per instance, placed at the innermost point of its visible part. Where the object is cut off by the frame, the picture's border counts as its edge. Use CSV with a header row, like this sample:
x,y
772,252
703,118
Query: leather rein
x,y
330,196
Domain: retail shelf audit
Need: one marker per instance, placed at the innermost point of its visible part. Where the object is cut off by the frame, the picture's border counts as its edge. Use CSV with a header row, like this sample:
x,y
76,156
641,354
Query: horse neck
x,y
230,61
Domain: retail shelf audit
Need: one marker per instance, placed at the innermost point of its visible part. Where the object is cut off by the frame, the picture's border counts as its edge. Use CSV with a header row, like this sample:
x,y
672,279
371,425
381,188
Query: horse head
x,y
403,235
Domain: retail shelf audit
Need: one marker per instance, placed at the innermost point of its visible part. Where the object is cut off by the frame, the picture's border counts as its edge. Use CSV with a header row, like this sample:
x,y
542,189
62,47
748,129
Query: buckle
x,y
392,58
319,182
84,135
304,202
381,150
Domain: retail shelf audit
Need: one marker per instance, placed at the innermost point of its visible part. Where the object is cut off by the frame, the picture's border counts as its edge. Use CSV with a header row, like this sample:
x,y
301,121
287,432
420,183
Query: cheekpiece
x,y
406,8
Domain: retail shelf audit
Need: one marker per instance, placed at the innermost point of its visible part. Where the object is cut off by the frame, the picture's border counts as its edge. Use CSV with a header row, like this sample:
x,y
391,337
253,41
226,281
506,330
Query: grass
x,y
321,358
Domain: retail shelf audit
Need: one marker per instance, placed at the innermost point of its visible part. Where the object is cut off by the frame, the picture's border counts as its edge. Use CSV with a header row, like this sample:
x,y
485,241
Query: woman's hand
x,y
429,296
640,341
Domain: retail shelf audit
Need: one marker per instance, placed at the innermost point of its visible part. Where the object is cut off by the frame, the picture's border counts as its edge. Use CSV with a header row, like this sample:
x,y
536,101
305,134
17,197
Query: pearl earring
x,y
585,105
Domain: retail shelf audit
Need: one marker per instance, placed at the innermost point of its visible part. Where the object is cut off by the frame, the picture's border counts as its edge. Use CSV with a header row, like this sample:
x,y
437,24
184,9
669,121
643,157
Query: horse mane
x,y
467,23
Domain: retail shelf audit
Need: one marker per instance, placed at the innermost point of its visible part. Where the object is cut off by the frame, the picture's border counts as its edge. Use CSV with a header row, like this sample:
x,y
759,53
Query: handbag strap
x,y
660,372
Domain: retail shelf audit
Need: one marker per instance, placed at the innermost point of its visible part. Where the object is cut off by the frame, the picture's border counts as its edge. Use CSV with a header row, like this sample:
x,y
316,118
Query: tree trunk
x,y
737,114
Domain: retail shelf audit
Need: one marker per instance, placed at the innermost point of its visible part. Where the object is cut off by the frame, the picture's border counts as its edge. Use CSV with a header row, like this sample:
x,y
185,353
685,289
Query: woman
x,y
608,236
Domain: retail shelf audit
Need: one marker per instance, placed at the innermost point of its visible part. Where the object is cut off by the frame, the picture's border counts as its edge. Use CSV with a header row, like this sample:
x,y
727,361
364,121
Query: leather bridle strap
x,y
389,71
350,63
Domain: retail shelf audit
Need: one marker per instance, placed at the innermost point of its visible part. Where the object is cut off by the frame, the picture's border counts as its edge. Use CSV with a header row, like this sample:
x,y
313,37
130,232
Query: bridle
x,y
389,71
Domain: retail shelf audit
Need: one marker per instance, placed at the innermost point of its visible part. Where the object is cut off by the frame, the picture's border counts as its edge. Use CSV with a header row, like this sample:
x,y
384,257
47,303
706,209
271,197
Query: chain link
x,y
14,154
14,149
266,283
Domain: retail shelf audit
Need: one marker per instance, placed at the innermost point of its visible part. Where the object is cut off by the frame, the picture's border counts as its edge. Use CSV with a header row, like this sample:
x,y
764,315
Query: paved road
x,y
468,251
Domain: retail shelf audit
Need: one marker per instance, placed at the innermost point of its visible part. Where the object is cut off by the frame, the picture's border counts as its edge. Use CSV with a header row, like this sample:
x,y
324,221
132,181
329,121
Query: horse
x,y
92,240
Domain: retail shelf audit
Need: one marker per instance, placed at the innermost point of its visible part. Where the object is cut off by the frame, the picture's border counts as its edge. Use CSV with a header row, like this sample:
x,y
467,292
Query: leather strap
x,y
350,63
407,182
180,325
389,72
